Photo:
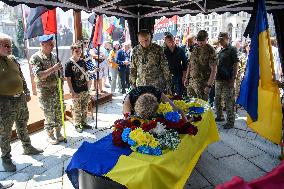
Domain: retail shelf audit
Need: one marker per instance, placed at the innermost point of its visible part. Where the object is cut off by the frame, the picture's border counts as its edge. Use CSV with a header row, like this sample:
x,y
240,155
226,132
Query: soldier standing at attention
x,y
77,79
202,68
45,68
225,80
149,65
14,95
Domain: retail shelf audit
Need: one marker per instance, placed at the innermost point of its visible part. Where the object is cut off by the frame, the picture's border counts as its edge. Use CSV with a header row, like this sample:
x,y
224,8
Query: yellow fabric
x,y
112,56
172,169
11,82
269,123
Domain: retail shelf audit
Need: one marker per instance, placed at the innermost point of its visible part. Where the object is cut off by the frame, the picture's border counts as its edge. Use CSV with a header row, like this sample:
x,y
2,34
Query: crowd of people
x,y
198,69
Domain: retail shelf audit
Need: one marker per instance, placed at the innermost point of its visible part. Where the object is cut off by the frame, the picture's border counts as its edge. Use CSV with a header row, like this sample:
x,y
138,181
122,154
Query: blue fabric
x,y
96,158
248,97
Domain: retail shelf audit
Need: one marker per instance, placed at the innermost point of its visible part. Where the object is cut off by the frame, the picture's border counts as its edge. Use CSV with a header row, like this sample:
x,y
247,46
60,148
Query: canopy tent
x,y
141,13
152,8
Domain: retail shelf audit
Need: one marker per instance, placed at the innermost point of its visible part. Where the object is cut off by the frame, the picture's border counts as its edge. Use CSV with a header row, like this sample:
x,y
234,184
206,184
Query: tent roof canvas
x,y
151,8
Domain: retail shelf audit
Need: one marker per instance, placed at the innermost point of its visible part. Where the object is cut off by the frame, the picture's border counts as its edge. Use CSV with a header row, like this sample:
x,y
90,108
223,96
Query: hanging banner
x,y
165,25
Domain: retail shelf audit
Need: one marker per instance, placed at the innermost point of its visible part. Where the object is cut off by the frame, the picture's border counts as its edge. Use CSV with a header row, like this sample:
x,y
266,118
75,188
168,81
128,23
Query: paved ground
x,y
240,152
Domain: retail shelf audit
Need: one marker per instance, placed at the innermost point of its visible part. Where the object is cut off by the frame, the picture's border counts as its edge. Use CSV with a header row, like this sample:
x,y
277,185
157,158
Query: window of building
x,y
215,23
198,24
206,23
214,29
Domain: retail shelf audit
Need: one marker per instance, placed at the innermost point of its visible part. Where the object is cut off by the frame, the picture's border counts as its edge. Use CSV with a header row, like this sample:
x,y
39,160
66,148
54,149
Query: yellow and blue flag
x,y
259,94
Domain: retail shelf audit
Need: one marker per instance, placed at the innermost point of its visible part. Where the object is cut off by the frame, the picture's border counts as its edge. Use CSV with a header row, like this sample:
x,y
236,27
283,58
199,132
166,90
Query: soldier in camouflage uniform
x,y
149,65
201,70
14,95
77,79
46,68
241,69
225,80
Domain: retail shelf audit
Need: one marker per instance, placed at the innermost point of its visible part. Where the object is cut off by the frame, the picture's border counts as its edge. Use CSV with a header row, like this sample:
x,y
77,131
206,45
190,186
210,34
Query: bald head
x,y
5,45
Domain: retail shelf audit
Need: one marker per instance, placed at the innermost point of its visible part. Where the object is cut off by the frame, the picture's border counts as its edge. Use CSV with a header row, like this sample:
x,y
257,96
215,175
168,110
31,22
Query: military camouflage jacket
x,y
149,67
40,62
201,60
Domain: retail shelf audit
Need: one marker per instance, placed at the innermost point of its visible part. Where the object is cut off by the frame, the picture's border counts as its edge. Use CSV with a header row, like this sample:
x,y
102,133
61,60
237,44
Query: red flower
x,y
148,126
176,97
116,138
197,118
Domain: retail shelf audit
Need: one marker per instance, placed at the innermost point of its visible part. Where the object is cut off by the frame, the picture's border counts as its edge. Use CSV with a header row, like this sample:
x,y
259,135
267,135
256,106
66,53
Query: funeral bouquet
x,y
161,131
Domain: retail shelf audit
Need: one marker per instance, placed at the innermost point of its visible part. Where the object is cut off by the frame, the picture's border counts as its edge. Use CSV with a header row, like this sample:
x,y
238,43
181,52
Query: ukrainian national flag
x,y
41,21
259,94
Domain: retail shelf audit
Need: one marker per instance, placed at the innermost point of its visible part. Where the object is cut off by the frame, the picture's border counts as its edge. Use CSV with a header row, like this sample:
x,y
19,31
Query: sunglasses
x,y
86,42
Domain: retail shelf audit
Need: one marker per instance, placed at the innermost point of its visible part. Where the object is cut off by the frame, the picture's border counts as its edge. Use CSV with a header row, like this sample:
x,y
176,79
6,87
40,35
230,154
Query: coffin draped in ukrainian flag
x,y
135,170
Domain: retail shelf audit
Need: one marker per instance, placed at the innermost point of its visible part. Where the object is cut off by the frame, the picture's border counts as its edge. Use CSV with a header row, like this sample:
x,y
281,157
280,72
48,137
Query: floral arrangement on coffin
x,y
160,132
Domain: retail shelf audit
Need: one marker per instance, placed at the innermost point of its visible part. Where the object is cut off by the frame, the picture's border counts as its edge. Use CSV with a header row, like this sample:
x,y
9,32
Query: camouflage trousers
x,y
196,89
80,107
13,110
222,88
50,104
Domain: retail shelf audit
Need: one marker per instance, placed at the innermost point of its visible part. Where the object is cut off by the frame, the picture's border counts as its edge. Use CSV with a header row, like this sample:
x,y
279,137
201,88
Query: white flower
x,y
159,129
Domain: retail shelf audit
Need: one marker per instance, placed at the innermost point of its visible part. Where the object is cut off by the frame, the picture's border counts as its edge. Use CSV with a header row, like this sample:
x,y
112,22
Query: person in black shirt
x,y
143,101
225,80
177,63
77,79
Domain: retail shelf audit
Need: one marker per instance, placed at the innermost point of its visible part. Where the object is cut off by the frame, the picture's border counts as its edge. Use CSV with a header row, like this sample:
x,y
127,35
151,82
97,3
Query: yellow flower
x,y
143,138
164,108
181,104
132,119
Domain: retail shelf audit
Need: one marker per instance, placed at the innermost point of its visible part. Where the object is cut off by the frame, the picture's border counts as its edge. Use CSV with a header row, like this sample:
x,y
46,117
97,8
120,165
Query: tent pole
x,y
138,27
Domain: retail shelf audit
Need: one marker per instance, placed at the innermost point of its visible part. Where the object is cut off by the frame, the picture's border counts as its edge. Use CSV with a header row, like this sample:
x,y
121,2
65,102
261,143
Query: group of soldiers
x,y
157,66
149,66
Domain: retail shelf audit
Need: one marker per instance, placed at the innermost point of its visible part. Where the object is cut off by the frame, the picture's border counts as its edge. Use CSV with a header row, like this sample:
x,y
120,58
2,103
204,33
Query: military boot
x,y
30,150
50,137
59,136
8,165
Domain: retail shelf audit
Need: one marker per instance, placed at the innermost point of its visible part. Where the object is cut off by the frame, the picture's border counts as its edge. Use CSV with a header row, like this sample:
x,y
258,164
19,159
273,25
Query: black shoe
x,y
219,119
79,128
228,126
8,165
86,126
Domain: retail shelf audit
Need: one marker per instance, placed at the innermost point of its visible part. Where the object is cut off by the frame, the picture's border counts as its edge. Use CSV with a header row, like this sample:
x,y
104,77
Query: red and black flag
x,y
41,21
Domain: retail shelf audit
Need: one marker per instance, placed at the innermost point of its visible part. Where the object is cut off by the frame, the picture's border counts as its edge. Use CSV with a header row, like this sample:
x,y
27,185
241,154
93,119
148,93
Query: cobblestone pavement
x,y
239,152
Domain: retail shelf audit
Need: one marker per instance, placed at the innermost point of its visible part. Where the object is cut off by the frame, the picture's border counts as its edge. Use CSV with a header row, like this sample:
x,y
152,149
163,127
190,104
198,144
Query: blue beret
x,y
45,38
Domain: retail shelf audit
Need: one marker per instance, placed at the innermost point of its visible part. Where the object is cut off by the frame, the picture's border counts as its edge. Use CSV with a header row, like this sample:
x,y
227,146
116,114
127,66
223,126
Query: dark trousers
x,y
212,96
177,85
124,72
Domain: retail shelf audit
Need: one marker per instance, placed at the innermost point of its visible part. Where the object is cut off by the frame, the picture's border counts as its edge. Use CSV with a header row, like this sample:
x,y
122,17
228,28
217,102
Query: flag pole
x,y
60,94
97,88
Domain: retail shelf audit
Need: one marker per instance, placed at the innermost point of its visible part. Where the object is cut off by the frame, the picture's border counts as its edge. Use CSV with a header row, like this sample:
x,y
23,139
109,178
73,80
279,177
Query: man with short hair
x,y
202,67
149,65
14,95
123,60
177,63
46,70
225,80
